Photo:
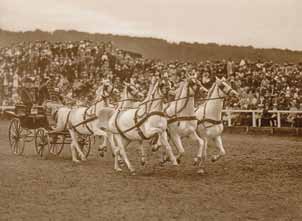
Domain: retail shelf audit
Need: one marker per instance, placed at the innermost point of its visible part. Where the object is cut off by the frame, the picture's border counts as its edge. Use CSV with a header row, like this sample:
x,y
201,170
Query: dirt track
x,y
259,179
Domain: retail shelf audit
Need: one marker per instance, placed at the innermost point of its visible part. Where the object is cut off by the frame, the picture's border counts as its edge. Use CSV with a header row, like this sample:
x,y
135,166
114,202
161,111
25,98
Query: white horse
x,y
85,120
181,112
210,124
142,123
130,98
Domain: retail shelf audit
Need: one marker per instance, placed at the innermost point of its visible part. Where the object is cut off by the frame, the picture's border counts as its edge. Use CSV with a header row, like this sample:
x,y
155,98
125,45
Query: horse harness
x,y
175,118
91,117
211,121
139,122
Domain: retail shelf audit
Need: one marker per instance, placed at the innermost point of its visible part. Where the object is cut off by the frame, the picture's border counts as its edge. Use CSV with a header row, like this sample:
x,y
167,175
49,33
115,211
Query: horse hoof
x,y
175,163
118,170
195,162
143,163
121,162
76,161
162,163
214,159
178,160
155,148
201,171
133,173
101,154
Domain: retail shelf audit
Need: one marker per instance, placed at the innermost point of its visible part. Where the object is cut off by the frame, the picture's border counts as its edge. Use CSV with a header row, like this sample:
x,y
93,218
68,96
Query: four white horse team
x,y
151,119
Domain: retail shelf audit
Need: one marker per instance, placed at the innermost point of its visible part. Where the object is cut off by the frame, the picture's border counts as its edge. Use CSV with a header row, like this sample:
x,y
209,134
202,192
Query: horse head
x,y
224,88
194,85
107,89
132,91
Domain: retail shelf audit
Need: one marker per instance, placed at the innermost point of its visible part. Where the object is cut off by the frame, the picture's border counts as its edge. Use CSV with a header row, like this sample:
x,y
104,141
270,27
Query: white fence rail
x,y
254,112
4,108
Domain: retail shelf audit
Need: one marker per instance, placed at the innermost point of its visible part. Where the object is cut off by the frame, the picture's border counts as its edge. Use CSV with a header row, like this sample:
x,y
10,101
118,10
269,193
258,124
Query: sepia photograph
x,y
151,110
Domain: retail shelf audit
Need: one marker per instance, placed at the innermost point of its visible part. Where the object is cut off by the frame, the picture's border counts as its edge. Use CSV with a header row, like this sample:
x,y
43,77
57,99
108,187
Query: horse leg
x,y
219,144
115,152
76,145
103,147
72,148
122,146
156,145
164,140
73,153
202,163
175,138
143,153
200,141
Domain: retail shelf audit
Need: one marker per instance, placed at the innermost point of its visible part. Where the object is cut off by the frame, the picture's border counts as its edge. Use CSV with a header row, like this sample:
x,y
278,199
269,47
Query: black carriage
x,y
35,125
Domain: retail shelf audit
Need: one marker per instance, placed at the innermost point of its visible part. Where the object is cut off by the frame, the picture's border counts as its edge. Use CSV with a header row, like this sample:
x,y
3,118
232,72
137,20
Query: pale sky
x,y
260,23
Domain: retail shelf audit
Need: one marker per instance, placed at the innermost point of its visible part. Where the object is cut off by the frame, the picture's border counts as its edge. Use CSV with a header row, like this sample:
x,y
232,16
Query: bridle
x,y
190,85
129,91
104,97
220,87
148,103
139,120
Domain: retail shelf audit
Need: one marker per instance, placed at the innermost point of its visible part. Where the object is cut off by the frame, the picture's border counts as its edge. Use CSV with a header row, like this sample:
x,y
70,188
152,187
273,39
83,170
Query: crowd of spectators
x,y
77,68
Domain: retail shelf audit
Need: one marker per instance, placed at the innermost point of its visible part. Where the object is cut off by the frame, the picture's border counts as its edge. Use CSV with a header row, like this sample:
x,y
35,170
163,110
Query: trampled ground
x,y
259,179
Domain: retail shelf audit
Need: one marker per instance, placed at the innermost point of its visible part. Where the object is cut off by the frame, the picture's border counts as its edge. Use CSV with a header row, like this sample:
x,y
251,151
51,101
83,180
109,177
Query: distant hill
x,y
158,48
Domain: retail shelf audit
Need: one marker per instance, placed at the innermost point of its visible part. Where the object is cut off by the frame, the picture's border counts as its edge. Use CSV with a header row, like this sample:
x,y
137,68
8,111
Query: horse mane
x,y
151,90
180,89
211,90
123,95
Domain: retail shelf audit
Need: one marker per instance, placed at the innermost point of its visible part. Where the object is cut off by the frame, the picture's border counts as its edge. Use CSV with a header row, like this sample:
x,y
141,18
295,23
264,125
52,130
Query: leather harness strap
x,y
86,123
139,130
138,123
182,118
213,122
207,120
67,119
117,127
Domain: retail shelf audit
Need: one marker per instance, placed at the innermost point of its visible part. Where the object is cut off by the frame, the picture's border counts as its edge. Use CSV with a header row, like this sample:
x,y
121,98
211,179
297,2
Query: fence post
x,y
278,120
229,119
254,119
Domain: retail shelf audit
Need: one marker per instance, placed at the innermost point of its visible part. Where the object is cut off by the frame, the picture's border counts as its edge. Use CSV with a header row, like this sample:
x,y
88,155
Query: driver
x,y
28,93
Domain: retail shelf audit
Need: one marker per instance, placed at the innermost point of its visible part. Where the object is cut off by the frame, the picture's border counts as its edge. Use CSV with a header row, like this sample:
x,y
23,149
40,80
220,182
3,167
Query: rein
x,y
138,124
145,116
92,115
207,120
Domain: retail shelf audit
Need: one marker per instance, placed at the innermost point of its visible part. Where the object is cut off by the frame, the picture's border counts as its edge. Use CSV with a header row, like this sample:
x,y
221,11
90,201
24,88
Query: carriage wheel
x,y
56,144
16,140
41,142
85,145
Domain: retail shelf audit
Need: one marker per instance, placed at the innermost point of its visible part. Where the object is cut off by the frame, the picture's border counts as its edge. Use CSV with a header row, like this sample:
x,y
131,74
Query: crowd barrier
x,y
254,113
4,108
